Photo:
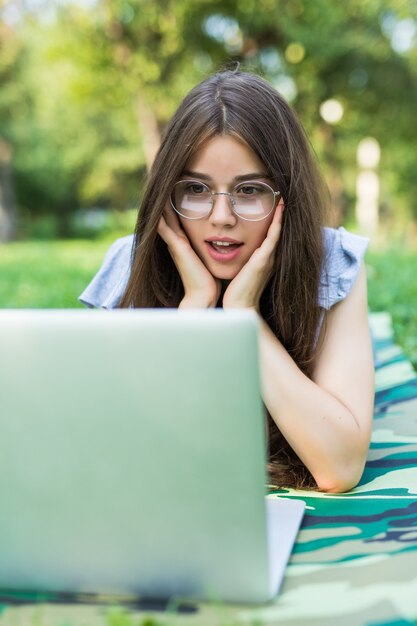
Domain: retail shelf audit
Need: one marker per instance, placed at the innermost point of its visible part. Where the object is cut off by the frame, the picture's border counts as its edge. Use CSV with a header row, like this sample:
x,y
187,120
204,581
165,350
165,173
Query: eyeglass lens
x,y
250,200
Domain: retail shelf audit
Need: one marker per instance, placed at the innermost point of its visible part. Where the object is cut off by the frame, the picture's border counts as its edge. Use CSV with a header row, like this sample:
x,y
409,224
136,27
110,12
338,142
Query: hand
x,y
201,289
245,290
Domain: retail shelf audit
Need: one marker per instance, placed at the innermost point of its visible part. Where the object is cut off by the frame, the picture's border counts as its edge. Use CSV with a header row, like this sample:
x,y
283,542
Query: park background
x,y
87,86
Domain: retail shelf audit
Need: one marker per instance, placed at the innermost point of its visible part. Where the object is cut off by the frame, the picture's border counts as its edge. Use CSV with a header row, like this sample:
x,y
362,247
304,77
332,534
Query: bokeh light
x,y
331,111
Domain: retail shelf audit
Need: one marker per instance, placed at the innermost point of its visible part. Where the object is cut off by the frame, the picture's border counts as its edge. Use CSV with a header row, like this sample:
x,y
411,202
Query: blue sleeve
x,y
108,285
344,253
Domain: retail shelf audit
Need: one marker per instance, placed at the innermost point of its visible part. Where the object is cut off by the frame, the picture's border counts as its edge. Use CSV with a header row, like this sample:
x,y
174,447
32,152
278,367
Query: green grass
x,y
47,274
392,287
51,274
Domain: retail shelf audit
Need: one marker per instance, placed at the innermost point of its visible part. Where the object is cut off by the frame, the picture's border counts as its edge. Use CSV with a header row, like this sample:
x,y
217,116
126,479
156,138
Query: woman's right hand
x,y
201,289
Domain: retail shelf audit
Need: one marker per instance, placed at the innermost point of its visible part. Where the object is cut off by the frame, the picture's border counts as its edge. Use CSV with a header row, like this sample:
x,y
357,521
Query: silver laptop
x,y
132,456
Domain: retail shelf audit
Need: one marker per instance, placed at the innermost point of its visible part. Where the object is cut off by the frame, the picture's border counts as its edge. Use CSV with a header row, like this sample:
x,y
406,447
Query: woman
x,y
233,216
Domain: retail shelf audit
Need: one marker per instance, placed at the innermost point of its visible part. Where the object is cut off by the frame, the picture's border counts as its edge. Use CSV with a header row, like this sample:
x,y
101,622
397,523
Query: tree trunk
x,y
148,126
63,217
333,178
7,197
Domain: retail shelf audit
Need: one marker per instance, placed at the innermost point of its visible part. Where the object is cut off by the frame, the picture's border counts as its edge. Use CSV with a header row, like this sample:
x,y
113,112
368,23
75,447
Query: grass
x,y
392,287
47,274
51,274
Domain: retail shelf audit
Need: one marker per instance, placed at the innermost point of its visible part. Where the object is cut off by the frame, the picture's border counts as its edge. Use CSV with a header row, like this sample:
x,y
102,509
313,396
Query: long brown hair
x,y
247,107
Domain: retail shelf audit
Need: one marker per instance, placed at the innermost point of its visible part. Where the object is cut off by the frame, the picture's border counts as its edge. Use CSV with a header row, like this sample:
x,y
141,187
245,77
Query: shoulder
x,y
108,285
343,255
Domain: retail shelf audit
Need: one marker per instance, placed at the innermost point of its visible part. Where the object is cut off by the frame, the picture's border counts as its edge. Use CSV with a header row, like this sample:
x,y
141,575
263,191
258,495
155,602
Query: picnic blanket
x,y
355,560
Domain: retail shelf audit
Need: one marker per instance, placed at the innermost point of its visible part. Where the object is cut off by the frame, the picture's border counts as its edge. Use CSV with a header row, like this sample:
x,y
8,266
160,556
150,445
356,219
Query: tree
x,y
10,53
98,84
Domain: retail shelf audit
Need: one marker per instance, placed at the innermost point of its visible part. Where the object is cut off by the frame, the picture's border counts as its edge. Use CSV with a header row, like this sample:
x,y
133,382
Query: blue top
x,y
343,255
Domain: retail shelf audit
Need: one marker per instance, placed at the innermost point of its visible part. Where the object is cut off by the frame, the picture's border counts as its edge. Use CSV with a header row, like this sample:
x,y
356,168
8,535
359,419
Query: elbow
x,y
341,480
342,472
337,484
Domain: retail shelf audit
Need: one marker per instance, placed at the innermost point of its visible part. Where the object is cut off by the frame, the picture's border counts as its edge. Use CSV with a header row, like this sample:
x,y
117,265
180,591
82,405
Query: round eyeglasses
x,y
251,200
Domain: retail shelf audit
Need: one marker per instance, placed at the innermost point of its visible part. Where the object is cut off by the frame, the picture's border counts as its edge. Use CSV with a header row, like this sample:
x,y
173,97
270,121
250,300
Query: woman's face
x,y
220,164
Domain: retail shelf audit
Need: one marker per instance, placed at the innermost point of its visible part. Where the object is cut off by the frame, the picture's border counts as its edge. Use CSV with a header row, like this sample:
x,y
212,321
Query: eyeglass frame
x,y
225,193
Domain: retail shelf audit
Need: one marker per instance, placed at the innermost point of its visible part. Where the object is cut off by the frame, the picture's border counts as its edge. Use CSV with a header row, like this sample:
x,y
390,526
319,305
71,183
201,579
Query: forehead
x,y
224,158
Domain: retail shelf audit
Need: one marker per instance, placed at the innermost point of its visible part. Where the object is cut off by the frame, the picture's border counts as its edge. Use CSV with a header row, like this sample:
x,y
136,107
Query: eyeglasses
x,y
251,200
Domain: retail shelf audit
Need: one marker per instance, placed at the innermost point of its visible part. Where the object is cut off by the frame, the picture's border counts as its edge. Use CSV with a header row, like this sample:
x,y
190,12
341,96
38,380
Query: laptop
x,y
132,456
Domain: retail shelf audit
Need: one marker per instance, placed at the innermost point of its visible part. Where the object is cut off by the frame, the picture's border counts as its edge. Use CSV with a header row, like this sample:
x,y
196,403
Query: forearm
x,y
321,429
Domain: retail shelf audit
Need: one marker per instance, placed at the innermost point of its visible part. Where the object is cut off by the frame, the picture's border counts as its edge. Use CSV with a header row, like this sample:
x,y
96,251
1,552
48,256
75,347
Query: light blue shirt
x,y
343,256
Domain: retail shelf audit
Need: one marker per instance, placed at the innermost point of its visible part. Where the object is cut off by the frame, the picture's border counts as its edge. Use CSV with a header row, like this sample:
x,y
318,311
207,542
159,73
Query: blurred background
x,y
87,86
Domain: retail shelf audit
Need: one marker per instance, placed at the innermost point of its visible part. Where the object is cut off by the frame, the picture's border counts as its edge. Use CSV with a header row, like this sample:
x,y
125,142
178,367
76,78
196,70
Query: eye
x,y
249,190
195,188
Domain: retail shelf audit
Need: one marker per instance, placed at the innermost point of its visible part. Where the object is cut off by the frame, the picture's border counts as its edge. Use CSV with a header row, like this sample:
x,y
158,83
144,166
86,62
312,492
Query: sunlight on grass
x,y
47,274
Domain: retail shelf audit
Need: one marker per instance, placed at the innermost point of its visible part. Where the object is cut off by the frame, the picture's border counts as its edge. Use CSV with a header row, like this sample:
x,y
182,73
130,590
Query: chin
x,y
225,273
220,271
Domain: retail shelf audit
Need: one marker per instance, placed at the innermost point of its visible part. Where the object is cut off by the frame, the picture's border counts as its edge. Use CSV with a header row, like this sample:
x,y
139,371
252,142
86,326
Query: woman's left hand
x,y
245,290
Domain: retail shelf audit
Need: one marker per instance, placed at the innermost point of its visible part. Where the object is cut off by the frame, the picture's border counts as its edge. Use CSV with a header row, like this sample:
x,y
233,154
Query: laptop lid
x,y
132,454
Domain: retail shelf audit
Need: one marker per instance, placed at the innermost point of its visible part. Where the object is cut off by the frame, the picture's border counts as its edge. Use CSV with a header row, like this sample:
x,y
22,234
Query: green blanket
x,y
355,560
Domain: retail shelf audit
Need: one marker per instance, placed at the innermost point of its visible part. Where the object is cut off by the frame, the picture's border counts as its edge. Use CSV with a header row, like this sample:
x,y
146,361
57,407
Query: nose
x,y
222,213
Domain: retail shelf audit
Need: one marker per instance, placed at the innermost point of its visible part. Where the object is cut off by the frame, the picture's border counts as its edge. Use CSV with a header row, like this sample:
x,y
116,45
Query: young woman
x,y
233,216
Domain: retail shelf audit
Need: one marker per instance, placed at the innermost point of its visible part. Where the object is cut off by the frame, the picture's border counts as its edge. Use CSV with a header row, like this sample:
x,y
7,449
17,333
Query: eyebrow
x,y
242,177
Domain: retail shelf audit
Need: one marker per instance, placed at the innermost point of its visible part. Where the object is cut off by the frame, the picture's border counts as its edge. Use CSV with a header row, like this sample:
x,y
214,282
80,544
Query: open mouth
x,y
224,247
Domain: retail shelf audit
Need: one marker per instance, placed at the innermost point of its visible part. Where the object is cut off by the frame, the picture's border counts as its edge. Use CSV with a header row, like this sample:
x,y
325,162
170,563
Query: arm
x,y
326,420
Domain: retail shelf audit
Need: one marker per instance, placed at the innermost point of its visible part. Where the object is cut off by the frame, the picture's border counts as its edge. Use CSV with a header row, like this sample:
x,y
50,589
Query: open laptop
x,y
132,456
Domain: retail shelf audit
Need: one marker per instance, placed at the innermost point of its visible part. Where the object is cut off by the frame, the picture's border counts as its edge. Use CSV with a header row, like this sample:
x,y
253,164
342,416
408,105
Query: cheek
x,y
259,230
258,233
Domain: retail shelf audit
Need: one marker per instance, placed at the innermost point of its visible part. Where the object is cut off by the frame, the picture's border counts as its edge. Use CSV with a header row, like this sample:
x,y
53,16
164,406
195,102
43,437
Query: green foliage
x,y
84,91
75,148
119,617
392,287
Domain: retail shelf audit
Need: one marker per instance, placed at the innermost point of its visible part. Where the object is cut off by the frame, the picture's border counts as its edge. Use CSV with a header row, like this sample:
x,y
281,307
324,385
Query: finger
x,y
171,238
274,229
170,230
166,232
277,219
172,221
269,243
163,228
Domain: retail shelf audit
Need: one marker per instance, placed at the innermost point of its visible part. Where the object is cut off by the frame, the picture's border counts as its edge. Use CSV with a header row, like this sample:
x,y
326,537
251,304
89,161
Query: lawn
x,y
47,274
392,287
50,274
